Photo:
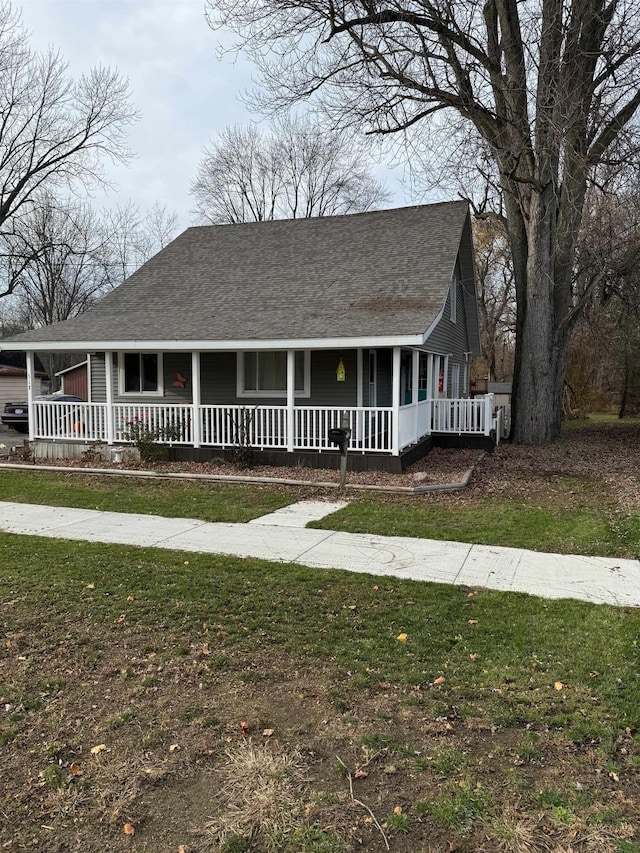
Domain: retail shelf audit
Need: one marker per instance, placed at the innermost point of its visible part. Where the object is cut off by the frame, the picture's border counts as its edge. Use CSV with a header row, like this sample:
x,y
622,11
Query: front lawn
x,y
555,513
578,495
235,705
541,525
169,498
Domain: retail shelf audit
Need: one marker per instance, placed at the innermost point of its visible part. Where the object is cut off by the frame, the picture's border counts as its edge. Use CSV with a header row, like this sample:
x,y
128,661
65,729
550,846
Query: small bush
x,y
146,438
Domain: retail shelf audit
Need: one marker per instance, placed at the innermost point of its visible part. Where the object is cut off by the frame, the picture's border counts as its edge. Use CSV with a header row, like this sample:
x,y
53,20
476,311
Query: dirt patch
x,y
116,747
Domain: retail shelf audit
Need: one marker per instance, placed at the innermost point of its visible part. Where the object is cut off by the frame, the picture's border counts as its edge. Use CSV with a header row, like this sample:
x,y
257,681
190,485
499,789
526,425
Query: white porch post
x,y
415,377
195,401
291,396
395,403
430,392
108,372
359,396
488,413
31,374
89,399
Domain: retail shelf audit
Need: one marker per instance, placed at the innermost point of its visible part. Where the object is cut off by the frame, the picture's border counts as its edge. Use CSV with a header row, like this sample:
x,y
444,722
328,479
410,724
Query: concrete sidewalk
x,y
601,580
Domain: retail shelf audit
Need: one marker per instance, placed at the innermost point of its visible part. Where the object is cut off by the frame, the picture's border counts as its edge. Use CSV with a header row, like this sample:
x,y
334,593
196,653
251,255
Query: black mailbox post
x,y
339,435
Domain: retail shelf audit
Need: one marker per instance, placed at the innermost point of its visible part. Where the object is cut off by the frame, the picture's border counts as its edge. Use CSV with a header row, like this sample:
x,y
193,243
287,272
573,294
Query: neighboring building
x,y
13,378
75,379
278,330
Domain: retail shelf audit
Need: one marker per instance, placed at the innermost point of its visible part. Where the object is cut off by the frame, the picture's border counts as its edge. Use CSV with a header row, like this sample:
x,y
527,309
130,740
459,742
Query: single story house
x,y
272,333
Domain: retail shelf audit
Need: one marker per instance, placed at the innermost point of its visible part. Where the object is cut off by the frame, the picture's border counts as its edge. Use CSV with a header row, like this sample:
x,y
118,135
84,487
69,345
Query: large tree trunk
x,y
542,340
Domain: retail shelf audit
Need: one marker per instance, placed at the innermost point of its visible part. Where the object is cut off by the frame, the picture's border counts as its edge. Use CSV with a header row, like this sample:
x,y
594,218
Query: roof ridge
x,y
341,216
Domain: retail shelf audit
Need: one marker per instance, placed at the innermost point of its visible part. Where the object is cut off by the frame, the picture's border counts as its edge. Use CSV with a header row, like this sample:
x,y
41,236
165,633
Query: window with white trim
x,y
264,374
140,373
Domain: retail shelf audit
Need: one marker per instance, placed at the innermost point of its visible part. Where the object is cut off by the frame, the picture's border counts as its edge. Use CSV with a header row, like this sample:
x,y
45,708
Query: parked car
x,y
16,415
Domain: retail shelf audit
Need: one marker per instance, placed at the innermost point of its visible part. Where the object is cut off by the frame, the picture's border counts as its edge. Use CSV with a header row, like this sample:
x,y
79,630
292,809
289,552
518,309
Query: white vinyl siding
x,y
453,299
455,381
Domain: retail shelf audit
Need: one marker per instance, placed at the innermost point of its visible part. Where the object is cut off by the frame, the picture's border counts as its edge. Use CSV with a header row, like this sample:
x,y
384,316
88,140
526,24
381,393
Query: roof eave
x,y
414,339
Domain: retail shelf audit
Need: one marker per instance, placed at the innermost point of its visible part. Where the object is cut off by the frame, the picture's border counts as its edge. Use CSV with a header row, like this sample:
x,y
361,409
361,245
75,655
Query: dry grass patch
x,y
263,791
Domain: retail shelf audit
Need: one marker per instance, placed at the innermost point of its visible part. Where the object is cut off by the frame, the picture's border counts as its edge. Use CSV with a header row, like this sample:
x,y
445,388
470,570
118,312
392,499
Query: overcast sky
x,y
185,94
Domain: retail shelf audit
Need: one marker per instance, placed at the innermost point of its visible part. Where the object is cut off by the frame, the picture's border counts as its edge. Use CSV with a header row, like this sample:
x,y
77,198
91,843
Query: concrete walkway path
x,y
300,513
601,580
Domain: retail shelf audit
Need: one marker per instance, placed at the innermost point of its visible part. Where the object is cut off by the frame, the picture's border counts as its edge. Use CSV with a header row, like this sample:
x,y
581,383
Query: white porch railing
x,y
406,426
171,423
266,427
455,417
86,421
261,427
370,428
469,416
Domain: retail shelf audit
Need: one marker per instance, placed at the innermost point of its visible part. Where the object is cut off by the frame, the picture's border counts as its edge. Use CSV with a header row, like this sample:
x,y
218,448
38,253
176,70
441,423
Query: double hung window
x,y
140,373
264,374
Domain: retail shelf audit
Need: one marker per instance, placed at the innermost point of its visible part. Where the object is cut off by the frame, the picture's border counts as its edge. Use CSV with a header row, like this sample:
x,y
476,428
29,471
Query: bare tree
x,y
68,257
133,237
496,296
604,356
292,171
548,86
64,255
57,257
53,130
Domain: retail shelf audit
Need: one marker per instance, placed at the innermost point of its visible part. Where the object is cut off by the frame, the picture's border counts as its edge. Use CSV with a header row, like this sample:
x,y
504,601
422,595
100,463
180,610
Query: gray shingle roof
x,y
370,274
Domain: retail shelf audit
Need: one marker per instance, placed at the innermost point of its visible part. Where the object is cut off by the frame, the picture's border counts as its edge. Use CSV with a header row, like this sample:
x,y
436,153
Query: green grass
x,y
169,498
597,419
583,527
448,761
524,644
459,808
311,839
495,521
399,823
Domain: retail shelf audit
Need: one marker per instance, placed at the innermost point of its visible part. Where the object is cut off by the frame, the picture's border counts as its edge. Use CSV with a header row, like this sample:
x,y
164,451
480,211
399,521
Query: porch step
x,y
299,514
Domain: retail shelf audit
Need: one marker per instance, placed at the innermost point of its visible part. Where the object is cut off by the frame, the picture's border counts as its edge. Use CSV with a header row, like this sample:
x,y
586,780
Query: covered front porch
x,y
372,430
293,426
415,383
